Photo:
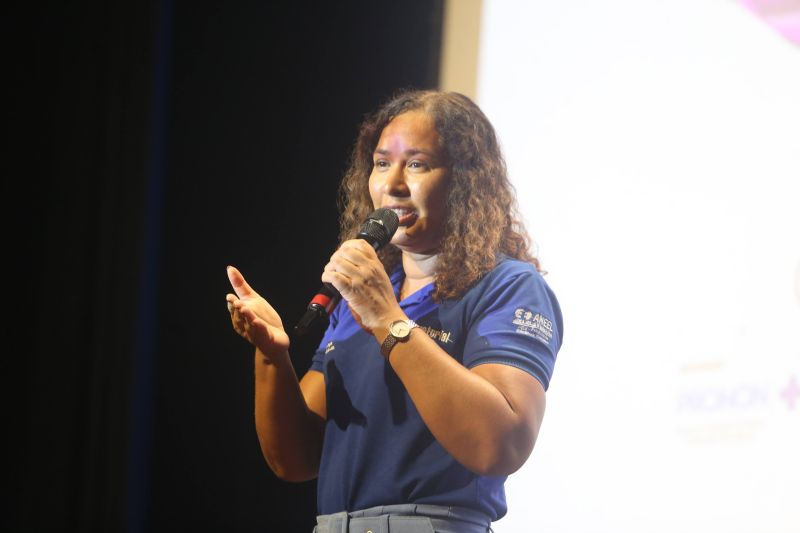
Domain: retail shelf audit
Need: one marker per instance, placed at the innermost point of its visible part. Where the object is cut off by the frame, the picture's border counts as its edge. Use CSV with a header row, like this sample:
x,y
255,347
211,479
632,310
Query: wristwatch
x,y
399,331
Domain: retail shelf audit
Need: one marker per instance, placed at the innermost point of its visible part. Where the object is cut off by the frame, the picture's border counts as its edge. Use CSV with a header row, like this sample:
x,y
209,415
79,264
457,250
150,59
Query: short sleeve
x,y
317,362
518,322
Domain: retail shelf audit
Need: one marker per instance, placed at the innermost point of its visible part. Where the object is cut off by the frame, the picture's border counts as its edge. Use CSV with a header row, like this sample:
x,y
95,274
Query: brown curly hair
x,y
482,219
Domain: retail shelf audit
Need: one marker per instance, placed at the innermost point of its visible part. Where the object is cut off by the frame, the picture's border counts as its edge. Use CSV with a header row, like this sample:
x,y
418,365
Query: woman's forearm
x,y
488,425
289,432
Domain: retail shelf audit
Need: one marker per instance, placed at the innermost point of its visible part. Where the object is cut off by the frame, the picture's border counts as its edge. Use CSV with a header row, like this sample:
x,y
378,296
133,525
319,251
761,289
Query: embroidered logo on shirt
x,y
438,334
330,347
534,325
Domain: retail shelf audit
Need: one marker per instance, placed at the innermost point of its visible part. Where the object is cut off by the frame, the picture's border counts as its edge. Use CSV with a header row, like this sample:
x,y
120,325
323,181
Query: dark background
x,y
161,142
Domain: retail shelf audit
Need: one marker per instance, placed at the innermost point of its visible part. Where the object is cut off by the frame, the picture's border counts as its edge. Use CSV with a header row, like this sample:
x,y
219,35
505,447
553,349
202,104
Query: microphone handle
x,y
321,305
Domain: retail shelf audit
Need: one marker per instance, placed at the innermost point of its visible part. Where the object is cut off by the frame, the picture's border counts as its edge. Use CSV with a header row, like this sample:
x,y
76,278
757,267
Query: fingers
x,y
243,318
359,248
342,283
342,265
237,319
356,251
355,268
342,273
240,286
231,300
352,257
253,318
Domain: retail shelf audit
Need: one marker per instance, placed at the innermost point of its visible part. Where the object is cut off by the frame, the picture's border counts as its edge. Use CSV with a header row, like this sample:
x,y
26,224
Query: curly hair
x,y
482,217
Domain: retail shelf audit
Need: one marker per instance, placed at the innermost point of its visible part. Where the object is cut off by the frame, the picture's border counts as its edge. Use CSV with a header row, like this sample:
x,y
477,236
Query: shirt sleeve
x,y
317,362
518,323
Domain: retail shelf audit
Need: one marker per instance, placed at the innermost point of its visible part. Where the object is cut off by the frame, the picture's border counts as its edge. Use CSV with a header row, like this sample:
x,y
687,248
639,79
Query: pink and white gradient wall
x,y
656,152
783,15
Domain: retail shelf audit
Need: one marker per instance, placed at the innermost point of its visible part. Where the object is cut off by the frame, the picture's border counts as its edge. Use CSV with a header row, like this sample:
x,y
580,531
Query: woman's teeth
x,y
405,215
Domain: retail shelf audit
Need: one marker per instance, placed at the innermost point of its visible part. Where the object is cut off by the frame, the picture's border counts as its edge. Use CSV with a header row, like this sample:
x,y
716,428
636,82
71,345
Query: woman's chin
x,y
416,239
409,246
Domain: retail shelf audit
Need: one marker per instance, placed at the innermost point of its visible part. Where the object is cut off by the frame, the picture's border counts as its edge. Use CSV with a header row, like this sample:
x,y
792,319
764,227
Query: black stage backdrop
x,y
163,141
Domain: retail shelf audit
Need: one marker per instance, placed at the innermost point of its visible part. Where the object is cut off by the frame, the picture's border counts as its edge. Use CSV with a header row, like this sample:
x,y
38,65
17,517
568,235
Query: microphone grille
x,y
379,227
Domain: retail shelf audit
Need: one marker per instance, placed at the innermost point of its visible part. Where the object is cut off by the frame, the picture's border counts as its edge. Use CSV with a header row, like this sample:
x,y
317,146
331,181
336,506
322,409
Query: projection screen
x,y
655,148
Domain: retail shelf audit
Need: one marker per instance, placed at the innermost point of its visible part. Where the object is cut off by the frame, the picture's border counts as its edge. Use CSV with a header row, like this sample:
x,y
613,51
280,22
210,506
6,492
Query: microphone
x,y
377,230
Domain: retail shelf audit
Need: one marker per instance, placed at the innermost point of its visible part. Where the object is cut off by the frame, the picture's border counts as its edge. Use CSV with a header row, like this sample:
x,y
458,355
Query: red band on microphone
x,y
322,300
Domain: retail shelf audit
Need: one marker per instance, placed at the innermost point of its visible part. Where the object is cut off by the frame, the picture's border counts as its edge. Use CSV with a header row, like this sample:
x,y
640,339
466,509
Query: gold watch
x,y
399,331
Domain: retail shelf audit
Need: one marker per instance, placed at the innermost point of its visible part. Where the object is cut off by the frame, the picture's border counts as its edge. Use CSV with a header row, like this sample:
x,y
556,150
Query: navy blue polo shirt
x,y
377,450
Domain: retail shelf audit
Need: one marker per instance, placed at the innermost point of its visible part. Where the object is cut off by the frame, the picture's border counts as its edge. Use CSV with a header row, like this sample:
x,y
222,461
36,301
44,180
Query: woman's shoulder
x,y
510,276
509,267
507,273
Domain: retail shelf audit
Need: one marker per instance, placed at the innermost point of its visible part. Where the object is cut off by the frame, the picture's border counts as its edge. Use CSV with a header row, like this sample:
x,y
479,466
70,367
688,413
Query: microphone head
x,y
379,227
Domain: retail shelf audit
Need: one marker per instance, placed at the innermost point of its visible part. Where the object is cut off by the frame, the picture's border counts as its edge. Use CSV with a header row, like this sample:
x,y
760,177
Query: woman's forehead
x,y
409,130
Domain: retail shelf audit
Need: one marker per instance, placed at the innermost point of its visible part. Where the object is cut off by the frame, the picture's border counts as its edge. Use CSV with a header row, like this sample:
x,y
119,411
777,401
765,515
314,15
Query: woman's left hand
x,y
357,273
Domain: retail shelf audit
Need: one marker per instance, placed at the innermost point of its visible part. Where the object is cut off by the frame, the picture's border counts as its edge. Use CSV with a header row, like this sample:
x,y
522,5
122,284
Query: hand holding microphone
x,y
377,230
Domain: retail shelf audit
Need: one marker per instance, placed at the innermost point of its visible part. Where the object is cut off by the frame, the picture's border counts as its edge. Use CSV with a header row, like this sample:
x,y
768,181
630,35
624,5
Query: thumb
x,y
238,283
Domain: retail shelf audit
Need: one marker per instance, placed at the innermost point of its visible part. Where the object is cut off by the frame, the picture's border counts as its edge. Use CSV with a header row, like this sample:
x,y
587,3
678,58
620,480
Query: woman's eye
x,y
417,165
381,163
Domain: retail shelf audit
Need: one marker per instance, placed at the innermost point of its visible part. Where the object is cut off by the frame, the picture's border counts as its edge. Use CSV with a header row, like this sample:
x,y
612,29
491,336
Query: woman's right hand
x,y
254,318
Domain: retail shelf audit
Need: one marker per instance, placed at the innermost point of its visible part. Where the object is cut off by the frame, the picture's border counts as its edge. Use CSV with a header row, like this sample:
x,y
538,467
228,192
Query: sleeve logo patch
x,y
330,347
534,325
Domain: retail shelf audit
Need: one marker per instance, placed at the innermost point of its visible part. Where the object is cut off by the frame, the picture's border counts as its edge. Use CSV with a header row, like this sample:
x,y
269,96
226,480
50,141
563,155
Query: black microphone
x,y
377,229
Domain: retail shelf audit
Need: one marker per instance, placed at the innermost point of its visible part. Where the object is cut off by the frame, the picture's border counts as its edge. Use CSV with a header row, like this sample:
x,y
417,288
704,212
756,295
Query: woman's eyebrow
x,y
410,151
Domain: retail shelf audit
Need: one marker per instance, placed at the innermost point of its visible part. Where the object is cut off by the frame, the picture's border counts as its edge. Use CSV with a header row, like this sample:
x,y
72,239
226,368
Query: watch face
x,y
400,328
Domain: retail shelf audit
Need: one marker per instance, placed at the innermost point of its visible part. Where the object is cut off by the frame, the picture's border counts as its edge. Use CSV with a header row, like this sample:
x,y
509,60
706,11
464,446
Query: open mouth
x,y
405,215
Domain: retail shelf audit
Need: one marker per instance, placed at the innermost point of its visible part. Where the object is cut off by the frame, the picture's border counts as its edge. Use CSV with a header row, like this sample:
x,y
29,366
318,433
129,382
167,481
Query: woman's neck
x,y
420,270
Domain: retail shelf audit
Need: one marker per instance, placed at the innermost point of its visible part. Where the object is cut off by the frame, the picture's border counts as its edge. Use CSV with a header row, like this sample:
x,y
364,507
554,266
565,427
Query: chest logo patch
x,y
533,324
438,334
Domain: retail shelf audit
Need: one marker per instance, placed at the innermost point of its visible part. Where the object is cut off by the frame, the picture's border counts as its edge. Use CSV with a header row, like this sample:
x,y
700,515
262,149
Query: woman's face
x,y
410,175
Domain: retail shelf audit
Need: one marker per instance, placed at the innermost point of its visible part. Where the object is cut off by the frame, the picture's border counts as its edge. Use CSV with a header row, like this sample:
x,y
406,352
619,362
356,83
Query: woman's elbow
x,y
504,456
293,475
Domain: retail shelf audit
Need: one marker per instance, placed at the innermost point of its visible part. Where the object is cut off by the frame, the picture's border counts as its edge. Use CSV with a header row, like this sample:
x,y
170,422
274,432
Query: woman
x,y
428,388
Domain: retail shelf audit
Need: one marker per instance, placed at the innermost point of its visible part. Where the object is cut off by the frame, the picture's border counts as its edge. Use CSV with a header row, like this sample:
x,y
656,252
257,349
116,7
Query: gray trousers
x,y
407,518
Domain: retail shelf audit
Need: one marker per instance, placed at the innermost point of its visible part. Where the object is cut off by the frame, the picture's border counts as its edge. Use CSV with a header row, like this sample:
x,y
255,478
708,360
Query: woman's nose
x,y
395,184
